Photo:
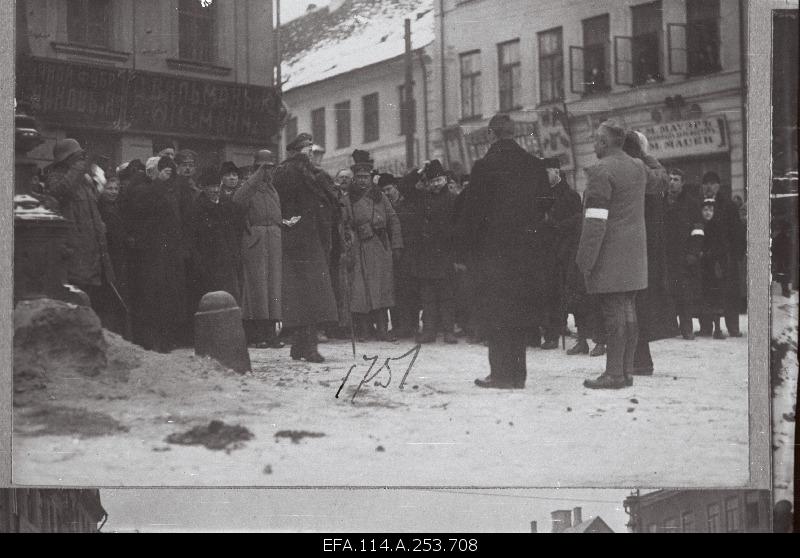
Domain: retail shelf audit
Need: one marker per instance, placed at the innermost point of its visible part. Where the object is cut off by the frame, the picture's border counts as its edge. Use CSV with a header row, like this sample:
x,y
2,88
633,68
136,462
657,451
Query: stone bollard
x,y
218,331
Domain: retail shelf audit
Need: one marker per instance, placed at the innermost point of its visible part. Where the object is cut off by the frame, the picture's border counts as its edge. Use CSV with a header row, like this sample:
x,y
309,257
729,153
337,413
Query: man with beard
x,y
310,215
561,232
498,229
682,220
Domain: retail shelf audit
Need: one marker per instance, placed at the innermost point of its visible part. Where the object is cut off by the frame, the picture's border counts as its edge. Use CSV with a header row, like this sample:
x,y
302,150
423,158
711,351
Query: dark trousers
x,y
589,320
621,329
507,355
259,331
437,305
405,314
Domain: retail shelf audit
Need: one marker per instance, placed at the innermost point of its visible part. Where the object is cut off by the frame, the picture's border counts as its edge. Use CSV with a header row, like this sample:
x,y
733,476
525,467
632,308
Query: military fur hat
x,y
302,140
434,169
361,160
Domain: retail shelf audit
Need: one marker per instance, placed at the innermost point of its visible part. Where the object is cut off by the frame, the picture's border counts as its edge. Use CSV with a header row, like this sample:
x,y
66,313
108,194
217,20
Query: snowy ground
x,y
784,333
685,426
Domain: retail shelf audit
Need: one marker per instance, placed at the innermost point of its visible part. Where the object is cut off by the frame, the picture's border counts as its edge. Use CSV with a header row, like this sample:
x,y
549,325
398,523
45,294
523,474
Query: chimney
x,y
562,519
533,527
576,516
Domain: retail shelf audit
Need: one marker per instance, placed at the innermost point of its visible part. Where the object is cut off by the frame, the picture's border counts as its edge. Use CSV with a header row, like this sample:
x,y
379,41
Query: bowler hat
x,y
263,156
302,140
361,160
66,148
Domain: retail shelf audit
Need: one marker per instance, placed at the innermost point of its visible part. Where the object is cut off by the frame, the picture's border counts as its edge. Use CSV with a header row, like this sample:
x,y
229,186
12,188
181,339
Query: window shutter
x,y
623,60
676,45
576,76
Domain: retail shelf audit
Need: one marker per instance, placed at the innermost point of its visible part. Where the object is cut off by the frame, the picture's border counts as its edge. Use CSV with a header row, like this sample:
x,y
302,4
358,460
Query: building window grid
x,y
318,131
371,117
509,75
702,37
89,22
197,25
342,114
471,101
596,54
646,43
551,65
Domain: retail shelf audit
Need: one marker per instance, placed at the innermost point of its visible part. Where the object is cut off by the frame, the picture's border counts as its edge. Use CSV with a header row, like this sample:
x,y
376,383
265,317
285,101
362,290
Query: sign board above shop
x,y
687,138
84,96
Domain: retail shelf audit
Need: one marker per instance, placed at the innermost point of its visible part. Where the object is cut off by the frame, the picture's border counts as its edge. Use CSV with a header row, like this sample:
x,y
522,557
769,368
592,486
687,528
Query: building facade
x,y
670,69
129,78
699,511
36,510
344,72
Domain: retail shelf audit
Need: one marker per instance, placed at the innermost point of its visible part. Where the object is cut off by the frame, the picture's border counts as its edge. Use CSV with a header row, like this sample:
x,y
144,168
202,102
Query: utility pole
x,y
408,102
278,79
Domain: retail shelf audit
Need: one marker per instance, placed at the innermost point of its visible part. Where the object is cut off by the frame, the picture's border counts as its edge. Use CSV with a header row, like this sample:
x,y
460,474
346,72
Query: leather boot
x,y
310,352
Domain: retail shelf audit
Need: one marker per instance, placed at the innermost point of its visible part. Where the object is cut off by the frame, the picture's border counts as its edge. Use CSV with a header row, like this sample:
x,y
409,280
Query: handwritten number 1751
x,y
369,376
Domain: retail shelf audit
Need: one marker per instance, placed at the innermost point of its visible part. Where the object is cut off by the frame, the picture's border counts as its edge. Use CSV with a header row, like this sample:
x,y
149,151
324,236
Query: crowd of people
x,y
501,256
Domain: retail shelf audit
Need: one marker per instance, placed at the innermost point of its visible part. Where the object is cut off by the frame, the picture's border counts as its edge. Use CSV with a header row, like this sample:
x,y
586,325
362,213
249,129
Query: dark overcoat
x,y
682,222
307,292
158,289
499,228
214,234
116,240
429,241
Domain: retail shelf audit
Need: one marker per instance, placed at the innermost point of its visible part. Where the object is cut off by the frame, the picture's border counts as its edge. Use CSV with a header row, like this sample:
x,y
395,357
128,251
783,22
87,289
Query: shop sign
x,y
685,138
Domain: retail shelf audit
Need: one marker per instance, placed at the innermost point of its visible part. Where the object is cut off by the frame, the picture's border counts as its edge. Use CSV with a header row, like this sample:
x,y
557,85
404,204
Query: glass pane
x,y
701,9
550,43
595,30
477,106
509,53
646,18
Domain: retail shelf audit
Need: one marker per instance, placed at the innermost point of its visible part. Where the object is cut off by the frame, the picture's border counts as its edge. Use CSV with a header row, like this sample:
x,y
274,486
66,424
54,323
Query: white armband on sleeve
x,y
698,232
596,213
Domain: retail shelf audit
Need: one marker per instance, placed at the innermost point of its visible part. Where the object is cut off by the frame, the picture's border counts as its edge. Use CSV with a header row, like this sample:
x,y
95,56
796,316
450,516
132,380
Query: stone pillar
x,y
218,331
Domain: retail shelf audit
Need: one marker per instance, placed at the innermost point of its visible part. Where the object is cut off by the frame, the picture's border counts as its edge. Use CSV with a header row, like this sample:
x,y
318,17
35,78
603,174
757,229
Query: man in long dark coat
x,y
561,232
682,220
310,217
158,288
499,227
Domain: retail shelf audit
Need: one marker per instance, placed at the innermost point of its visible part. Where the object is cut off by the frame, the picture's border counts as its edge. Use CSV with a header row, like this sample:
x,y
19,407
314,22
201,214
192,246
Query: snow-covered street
x,y
687,425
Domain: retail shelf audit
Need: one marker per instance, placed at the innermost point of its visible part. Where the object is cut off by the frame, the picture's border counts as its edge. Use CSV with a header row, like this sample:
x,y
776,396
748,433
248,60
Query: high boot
x,y
298,344
310,352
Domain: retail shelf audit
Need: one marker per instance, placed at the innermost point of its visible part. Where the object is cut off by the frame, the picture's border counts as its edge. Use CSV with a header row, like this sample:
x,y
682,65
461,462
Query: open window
x,y
623,60
676,46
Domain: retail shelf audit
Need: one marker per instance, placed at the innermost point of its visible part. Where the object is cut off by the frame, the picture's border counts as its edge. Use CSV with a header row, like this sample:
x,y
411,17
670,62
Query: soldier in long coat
x,y
612,252
499,229
431,252
310,217
262,249
376,241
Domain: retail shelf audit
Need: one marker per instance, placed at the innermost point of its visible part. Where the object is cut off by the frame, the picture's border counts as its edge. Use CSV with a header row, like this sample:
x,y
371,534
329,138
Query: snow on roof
x,y
584,526
354,34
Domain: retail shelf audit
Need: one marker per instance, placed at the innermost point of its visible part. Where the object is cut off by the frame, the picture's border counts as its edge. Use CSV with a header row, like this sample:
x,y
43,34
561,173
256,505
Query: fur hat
x,y
66,148
302,140
434,169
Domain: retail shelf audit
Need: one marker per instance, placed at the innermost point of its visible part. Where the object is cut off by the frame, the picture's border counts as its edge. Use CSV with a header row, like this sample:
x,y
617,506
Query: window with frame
x,y
702,37
551,66
197,26
470,63
318,126
687,522
341,112
401,103
646,44
714,519
89,22
291,129
371,117
733,521
509,75
596,55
